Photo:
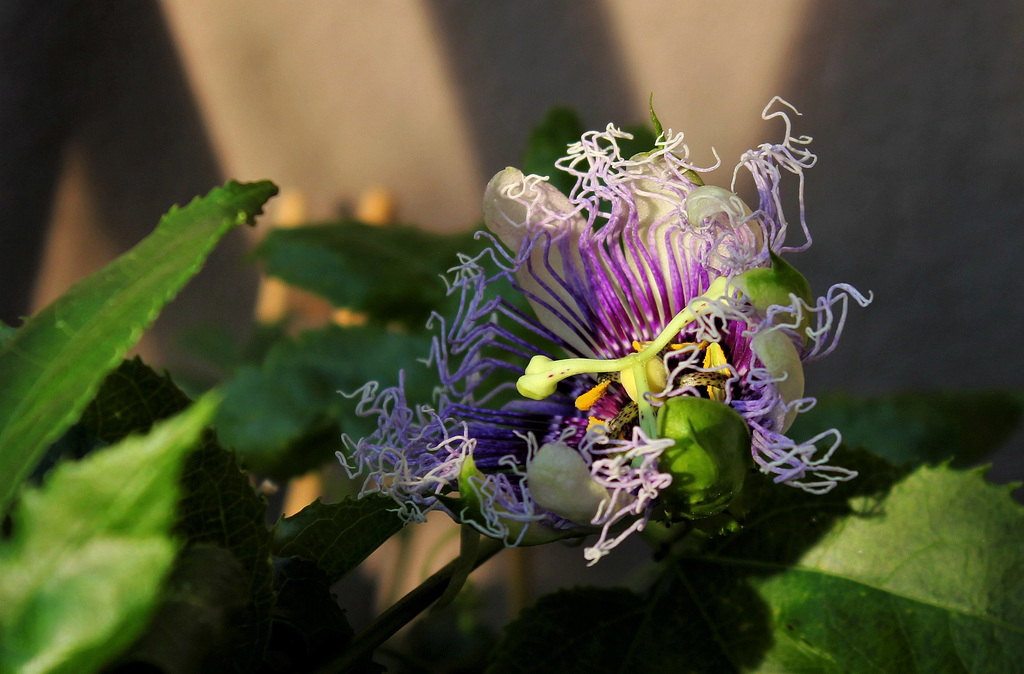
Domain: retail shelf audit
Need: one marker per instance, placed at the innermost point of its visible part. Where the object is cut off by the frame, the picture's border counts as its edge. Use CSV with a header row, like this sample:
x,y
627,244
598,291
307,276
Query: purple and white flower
x,y
646,286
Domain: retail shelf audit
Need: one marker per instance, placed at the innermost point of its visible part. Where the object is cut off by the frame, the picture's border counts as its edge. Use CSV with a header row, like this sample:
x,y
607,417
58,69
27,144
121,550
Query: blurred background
x,y
110,112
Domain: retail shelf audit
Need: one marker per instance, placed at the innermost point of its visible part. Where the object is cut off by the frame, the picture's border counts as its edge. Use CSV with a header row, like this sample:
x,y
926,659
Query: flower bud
x,y
767,286
779,356
709,459
560,481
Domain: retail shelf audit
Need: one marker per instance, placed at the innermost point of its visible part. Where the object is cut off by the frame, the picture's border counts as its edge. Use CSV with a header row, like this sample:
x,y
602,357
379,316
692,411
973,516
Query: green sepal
x,y
709,460
768,286
658,130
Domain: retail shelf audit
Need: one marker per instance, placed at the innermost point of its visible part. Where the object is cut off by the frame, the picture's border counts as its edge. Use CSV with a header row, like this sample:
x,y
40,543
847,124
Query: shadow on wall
x,y
512,61
105,79
918,119
918,116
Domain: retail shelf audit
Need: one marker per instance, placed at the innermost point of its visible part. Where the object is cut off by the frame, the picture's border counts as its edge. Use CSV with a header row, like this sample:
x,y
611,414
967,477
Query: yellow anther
x,y
586,400
640,346
715,357
594,422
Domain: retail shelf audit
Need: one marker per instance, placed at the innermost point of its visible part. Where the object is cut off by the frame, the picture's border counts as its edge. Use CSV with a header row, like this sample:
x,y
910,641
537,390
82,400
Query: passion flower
x,y
663,357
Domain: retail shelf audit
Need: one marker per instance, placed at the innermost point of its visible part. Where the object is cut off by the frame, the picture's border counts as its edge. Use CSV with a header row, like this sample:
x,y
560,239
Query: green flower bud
x,y
767,286
776,351
709,459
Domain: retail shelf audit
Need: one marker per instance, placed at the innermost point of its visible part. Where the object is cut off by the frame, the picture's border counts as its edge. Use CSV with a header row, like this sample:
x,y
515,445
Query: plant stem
x,y
404,611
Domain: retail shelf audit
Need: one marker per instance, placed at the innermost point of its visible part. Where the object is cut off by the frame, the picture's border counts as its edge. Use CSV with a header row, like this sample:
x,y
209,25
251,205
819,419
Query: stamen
x,y
715,357
587,400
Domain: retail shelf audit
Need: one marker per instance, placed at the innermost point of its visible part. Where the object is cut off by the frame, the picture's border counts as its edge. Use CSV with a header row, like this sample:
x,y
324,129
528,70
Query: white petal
x,y
741,237
780,357
518,208
560,482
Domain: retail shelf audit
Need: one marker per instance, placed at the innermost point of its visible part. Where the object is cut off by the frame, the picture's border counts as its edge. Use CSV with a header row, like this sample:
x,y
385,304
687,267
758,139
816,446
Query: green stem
x,y
404,611
648,420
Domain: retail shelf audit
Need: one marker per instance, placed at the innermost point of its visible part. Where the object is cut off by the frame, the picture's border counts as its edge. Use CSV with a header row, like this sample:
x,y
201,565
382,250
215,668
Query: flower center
x,y
637,371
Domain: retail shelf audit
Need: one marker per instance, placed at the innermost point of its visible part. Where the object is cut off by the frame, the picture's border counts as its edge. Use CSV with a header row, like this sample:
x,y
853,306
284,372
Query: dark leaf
x,y
697,618
918,427
580,630
189,633
390,273
6,332
643,141
547,144
287,415
337,537
310,629
218,505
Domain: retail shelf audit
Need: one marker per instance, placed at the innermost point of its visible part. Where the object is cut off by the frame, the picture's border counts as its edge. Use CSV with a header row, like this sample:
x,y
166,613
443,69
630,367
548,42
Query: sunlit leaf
x,y
82,573
930,580
54,363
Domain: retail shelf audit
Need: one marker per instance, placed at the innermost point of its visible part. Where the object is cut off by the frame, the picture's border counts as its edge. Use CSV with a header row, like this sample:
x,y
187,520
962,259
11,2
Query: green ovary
x,y
709,459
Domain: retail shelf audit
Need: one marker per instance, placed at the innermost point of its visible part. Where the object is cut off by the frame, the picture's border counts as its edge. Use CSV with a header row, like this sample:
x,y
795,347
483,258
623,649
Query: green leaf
x,y
658,129
390,273
930,580
54,363
310,628
921,427
580,630
287,416
697,618
547,144
337,537
643,140
189,632
6,332
82,573
218,505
